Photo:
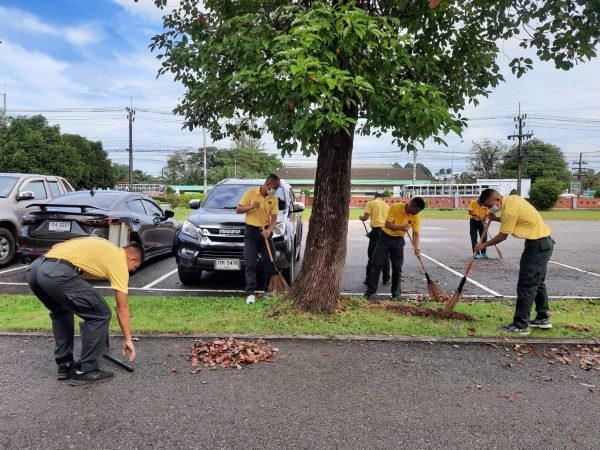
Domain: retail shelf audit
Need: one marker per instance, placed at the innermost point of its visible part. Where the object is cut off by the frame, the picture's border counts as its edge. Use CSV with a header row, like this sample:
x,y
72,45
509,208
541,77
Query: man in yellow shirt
x,y
377,210
261,207
477,213
521,219
401,218
55,280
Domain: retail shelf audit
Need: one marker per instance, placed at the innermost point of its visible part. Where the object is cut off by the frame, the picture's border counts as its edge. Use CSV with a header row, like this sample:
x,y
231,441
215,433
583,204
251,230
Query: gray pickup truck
x,y
17,192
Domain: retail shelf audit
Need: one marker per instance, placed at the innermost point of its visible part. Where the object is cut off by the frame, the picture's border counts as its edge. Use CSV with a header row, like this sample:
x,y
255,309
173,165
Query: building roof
x,y
359,174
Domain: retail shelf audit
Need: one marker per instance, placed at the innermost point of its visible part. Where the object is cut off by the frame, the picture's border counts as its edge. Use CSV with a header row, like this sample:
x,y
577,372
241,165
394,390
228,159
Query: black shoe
x,y
368,295
544,324
514,330
65,370
93,376
395,298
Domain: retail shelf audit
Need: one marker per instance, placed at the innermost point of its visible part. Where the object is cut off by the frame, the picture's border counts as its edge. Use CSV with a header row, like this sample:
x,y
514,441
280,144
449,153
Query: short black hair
x,y
485,195
273,177
378,195
138,249
419,203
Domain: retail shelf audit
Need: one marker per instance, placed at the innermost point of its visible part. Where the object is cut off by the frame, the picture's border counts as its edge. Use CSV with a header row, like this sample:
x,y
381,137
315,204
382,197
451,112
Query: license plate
x,y
227,264
59,226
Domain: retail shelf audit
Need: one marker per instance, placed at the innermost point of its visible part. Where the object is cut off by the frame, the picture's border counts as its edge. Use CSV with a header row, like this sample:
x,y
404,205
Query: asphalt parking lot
x,y
574,270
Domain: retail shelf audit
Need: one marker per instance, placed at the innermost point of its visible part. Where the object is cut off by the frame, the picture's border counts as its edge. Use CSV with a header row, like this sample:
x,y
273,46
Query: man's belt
x,y
64,261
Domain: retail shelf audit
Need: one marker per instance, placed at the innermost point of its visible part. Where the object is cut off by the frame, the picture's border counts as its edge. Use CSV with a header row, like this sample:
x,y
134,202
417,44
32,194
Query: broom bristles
x,y
278,285
436,293
452,301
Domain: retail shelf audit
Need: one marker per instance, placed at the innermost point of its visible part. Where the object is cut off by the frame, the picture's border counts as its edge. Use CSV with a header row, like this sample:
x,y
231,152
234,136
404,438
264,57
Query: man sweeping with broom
x,y
522,220
261,208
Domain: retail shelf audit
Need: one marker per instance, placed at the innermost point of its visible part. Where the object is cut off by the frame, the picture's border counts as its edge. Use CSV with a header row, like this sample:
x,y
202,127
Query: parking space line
x,y
575,268
158,280
494,293
13,269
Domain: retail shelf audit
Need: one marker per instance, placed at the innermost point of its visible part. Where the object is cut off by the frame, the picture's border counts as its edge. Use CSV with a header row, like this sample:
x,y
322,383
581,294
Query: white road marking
x,y
485,288
158,280
13,269
575,268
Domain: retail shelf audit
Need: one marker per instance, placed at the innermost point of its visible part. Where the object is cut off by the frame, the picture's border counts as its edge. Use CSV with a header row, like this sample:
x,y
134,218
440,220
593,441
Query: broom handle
x,y
363,222
484,234
418,256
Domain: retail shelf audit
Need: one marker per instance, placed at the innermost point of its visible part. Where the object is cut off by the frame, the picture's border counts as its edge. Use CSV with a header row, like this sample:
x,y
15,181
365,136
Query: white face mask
x,y
495,209
272,191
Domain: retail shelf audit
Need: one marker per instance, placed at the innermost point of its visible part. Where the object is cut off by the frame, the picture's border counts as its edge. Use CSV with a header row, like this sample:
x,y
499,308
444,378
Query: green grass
x,y
230,315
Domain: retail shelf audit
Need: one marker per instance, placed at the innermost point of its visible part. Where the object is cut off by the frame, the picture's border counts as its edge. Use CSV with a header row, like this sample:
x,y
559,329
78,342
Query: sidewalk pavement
x,y
319,394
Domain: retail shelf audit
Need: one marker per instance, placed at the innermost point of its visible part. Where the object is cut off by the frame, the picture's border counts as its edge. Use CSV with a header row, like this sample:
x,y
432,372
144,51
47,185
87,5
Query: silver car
x,y
17,192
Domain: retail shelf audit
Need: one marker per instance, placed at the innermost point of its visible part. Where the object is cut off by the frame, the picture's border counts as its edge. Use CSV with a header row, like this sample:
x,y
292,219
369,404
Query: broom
x,y
436,293
277,284
455,297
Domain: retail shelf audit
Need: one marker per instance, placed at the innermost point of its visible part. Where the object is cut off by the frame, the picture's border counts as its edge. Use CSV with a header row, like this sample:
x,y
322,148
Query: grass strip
x,y
230,315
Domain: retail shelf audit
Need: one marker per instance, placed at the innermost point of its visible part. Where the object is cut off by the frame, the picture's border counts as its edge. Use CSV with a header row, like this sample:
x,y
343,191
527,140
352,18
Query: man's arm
x,y
124,317
493,217
390,226
473,215
241,209
496,240
364,217
417,242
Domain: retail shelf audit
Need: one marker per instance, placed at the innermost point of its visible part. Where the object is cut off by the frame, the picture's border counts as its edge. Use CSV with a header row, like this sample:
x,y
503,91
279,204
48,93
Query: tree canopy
x,y
486,158
317,72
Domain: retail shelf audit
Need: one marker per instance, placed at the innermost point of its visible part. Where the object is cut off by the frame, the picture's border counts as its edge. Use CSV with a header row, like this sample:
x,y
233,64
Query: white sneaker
x,y
250,299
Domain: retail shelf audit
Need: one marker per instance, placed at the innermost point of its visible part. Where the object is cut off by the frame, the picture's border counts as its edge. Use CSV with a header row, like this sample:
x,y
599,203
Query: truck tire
x,y
187,276
7,247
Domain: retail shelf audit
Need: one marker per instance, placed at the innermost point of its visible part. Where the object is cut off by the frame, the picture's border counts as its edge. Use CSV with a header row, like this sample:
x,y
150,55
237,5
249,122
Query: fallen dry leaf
x,y
175,371
512,397
576,327
231,353
478,386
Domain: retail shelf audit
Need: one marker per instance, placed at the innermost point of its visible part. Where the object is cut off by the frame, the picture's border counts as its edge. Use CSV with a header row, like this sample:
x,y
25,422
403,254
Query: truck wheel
x,y
187,276
7,247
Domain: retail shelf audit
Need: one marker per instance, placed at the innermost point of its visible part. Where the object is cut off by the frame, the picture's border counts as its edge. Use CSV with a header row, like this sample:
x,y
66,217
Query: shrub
x,y
597,193
184,199
545,192
387,193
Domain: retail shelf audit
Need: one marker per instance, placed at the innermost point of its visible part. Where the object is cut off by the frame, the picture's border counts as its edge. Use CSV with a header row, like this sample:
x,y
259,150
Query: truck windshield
x,y
228,196
7,183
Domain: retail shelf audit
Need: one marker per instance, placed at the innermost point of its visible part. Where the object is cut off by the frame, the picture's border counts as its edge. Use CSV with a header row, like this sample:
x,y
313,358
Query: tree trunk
x,y
317,288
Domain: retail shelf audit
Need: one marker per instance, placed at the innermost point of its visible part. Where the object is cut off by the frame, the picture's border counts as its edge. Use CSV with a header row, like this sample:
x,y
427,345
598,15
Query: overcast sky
x,y
63,58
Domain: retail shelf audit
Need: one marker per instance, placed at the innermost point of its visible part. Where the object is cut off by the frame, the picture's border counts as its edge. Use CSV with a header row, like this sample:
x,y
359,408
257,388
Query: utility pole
x,y
414,168
130,119
579,163
205,170
520,136
4,116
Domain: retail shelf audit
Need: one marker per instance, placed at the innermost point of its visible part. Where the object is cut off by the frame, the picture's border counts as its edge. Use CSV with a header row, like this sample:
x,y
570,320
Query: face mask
x,y
272,191
495,209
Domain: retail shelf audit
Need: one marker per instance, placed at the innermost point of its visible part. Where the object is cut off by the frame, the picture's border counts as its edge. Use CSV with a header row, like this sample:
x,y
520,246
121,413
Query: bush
x,y
545,192
597,193
387,193
182,200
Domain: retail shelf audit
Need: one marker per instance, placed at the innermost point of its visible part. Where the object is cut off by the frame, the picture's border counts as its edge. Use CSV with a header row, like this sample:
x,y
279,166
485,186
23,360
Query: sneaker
x,y
478,256
395,298
485,256
250,299
514,330
93,376
544,324
65,370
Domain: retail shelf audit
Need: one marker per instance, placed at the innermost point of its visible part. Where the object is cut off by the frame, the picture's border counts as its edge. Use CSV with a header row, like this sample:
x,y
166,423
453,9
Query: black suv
x,y
212,238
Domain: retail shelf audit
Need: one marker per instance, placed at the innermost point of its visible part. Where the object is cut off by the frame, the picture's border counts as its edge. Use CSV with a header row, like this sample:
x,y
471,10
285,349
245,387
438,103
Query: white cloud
x,y
16,19
145,9
83,35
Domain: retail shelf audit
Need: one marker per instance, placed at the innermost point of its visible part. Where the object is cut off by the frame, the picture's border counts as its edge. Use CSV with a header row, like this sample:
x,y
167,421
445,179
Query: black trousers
x,y
531,286
476,227
387,247
373,239
253,243
59,288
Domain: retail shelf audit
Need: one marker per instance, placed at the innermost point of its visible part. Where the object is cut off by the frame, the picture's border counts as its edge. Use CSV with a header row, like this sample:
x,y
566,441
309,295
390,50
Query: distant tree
x,y
397,165
465,178
422,168
486,158
96,168
540,160
30,145
545,192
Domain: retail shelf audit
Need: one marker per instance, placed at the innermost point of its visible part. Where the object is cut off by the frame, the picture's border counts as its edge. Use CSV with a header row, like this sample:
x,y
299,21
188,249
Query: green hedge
x,y
183,200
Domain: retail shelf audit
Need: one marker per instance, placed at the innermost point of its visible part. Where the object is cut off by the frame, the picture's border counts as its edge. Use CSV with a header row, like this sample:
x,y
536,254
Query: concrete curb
x,y
365,338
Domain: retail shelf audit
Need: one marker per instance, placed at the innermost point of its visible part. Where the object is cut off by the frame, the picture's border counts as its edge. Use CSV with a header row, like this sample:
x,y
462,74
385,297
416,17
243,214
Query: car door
x,y
38,187
163,233
141,222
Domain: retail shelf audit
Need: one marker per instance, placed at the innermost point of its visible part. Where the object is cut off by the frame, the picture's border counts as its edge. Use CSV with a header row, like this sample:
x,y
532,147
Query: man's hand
x,y
480,246
266,232
128,346
362,218
406,226
255,205
417,252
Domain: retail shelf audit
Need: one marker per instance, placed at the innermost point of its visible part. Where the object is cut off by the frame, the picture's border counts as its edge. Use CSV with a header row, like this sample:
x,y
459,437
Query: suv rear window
x,y
228,196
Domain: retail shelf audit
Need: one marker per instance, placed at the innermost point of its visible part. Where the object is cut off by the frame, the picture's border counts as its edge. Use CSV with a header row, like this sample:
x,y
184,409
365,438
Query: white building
x,y
505,185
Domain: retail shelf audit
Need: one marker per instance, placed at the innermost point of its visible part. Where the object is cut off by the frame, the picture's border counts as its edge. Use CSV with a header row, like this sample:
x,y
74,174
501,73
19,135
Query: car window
x,y
6,185
54,189
37,187
66,186
136,206
152,209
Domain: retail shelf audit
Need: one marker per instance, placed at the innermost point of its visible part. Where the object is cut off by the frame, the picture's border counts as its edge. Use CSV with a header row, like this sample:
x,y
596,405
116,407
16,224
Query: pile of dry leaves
x,y
231,353
588,356
411,310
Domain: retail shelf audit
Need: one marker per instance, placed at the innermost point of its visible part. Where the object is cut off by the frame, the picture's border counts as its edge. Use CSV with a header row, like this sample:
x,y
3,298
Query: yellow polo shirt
x,y
481,210
97,257
260,216
378,211
399,216
521,219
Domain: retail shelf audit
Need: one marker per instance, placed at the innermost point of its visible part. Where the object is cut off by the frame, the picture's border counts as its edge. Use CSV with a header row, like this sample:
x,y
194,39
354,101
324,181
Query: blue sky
x,y
63,57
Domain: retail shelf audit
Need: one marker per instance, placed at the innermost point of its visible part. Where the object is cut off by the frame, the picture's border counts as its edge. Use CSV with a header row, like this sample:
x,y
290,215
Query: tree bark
x,y
317,288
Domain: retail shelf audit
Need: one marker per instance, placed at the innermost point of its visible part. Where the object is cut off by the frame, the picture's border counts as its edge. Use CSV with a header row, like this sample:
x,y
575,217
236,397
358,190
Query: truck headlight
x,y
279,230
189,229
